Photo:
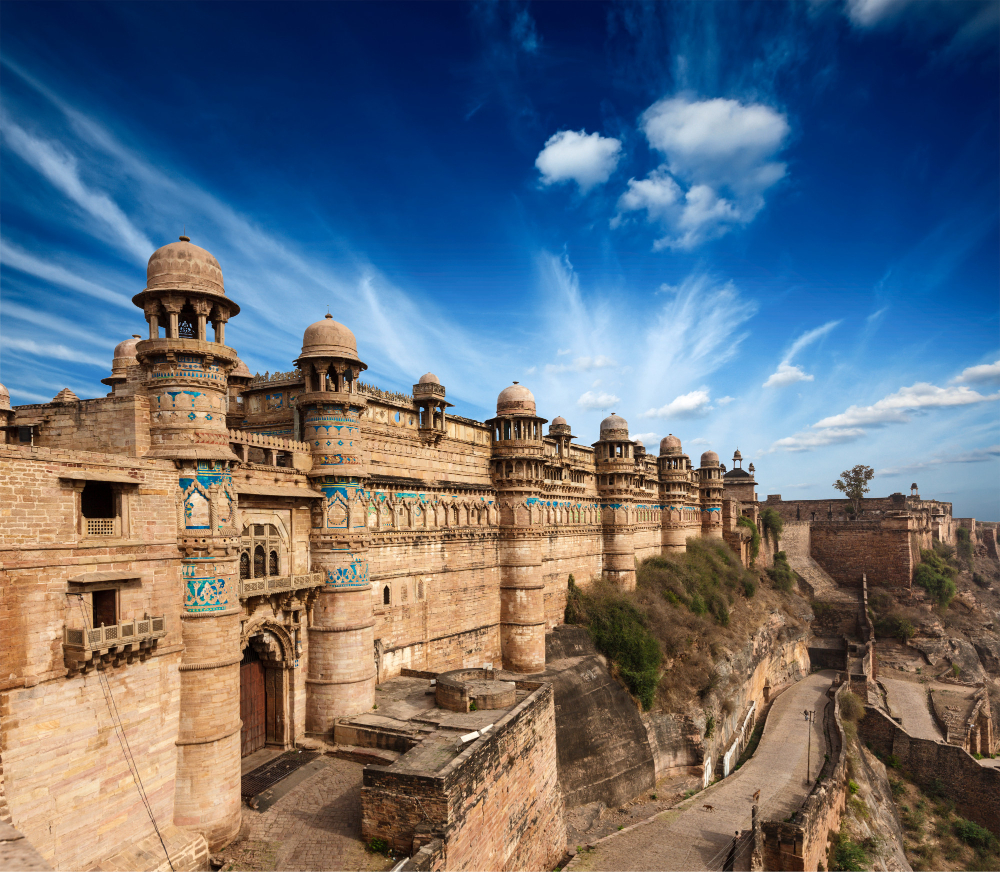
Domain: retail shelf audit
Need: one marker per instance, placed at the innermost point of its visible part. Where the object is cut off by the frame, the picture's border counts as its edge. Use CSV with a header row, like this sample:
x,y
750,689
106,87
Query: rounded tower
x,y
341,680
614,461
517,466
710,488
185,378
124,358
674,472
6,416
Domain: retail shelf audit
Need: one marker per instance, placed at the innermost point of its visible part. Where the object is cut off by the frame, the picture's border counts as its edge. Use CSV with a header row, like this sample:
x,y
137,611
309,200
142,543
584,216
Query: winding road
x,y
693,836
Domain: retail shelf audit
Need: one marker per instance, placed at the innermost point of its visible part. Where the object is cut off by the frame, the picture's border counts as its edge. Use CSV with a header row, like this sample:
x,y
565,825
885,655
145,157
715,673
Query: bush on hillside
x,y
744,521
965,550
618,628
781,574
936,575
772,525
852,709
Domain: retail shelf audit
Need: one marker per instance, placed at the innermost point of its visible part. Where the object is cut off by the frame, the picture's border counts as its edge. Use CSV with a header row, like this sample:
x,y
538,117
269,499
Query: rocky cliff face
x,y
609,751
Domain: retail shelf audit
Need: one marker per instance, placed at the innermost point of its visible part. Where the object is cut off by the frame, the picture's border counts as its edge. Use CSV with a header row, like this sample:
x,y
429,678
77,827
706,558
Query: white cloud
x,y
719,162
588,159
977,455
687,405
17,258
894,408
60,168
725,401
597,400
787,374
985,373
868,13
650,440
809,440
582,364
52,350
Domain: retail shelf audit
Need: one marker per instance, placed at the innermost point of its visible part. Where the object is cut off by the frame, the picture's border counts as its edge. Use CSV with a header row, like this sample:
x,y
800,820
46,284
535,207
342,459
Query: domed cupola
x,y
518,447
614,427
670,445
124,357
4,399
329,339
429,395
185,370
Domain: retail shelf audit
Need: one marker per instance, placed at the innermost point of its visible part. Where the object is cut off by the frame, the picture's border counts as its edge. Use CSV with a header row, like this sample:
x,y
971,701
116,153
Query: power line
x,y
133,767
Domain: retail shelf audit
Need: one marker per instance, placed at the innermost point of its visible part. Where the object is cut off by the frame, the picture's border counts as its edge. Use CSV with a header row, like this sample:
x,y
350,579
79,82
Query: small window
x,y
420,590
24,434
385,595
258,562
105,603
244,565
98,500
272,563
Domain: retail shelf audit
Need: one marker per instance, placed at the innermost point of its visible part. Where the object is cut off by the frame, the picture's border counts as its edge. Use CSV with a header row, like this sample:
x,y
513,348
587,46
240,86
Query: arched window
x,y
420,590
187,323
262,546
385,595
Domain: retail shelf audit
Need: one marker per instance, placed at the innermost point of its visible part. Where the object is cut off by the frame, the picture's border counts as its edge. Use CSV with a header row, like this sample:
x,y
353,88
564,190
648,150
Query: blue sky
x,y
768,226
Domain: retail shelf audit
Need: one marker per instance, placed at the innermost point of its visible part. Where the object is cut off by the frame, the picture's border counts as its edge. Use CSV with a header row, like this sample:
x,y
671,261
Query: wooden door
x,y
252,702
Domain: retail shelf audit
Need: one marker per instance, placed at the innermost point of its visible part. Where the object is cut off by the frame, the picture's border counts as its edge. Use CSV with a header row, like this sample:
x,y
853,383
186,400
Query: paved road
x,y
693,837
908,700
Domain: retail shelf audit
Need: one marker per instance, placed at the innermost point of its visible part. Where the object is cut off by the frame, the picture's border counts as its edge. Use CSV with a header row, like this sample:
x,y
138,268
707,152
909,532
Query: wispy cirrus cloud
x,y
719,162
588,159
56,164
897,407
977,455
582,364
787,373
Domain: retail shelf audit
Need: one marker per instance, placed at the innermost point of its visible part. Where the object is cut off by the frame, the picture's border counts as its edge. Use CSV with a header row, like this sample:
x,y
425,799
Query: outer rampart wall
x,y
495,806
115,424
975,789
882,550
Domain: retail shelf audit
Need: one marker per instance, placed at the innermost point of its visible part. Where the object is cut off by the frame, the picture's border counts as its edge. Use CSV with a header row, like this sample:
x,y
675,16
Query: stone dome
x,y
640,443
184,266
709,458
614,427
670,444
516,399
559,421
242,371
125,354
4,399
329,338
737,455
428,378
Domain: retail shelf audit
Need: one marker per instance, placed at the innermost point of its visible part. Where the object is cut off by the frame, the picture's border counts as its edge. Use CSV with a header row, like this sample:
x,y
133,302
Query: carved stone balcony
x,y
111,646
277,584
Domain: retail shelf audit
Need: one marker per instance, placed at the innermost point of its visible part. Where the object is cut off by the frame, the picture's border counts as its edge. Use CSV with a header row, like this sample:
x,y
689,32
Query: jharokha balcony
x,y
111,645
279,584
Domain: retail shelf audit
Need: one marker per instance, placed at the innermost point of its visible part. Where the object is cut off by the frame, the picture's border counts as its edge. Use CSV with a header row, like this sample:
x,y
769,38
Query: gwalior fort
x,y
295,621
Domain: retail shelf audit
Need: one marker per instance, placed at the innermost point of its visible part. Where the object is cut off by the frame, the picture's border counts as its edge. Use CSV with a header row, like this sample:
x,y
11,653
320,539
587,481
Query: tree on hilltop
x,y
853,483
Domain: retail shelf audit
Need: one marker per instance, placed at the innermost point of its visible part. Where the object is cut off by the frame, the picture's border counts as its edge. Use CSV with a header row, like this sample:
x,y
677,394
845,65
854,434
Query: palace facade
x,y
206,561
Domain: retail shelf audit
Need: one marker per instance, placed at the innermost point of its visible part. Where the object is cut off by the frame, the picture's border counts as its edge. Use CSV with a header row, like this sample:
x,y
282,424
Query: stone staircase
x,y
795,543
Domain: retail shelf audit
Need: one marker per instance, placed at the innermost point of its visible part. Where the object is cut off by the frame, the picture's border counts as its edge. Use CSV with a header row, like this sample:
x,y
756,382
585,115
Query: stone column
x,y
522,601
341,680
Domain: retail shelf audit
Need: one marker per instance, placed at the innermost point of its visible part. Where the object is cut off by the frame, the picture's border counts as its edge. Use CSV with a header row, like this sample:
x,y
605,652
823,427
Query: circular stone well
x,y
458,689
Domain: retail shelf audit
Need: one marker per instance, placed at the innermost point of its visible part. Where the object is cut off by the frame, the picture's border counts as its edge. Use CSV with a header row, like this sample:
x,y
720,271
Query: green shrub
x,y
749,587
709,726
936,575
893,626
980,580
698,604
965,550
781,573
618,628
744,521
852,708
974,835
852,786
849,856
772,524
378,846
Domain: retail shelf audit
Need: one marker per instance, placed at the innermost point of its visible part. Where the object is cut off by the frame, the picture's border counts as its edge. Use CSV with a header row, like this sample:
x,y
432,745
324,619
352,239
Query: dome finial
x,y
328,315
